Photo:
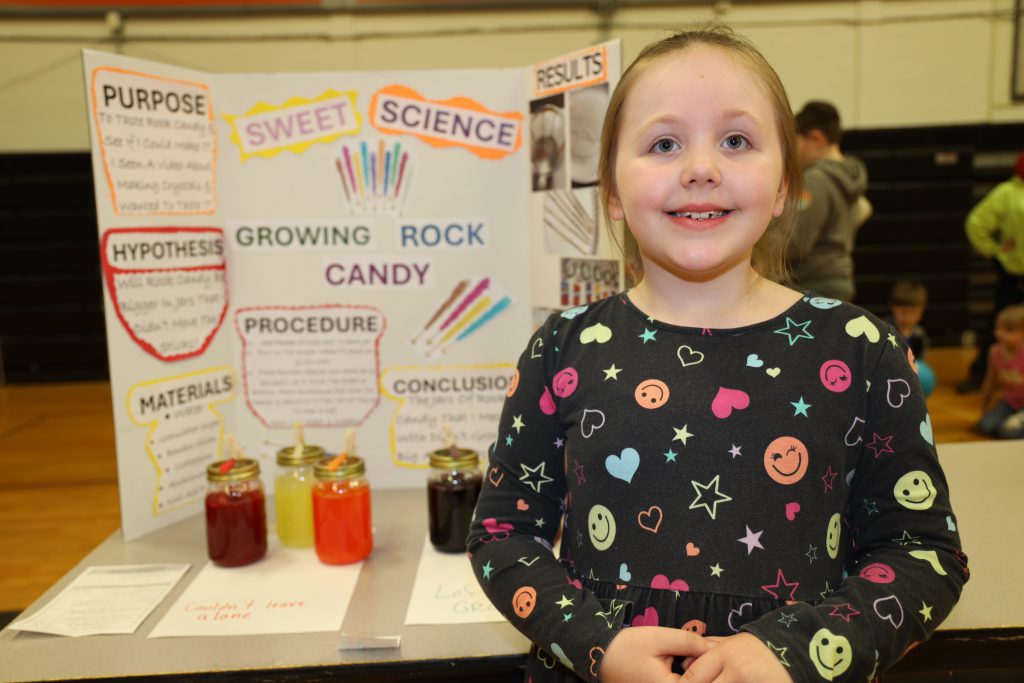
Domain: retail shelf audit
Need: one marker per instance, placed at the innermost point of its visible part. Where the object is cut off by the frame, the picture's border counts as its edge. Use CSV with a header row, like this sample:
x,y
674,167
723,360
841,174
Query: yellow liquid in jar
x,y
294,503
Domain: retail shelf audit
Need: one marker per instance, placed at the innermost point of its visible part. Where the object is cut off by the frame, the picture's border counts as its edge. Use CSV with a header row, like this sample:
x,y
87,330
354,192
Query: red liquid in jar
x,y
236,527
342,527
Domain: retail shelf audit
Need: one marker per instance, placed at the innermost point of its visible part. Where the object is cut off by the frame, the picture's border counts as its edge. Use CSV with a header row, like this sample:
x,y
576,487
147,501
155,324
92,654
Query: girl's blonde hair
x,y
768,257
1011,317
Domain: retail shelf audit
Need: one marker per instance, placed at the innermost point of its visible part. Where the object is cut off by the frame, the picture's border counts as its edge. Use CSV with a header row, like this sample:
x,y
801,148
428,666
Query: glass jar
x,y
452,489
342,527
236,519
293,494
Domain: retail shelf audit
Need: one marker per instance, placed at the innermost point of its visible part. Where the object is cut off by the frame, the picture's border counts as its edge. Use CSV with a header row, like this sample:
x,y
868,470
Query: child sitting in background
x,y
907,300
1005,374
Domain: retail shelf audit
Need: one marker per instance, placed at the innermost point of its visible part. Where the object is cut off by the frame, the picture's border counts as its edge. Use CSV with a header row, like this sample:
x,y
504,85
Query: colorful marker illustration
x,y
469,306
374,176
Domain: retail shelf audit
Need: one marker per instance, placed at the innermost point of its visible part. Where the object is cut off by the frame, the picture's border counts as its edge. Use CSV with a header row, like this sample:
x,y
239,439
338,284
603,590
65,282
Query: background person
x,y
832,208
907,301
1002,393
995,228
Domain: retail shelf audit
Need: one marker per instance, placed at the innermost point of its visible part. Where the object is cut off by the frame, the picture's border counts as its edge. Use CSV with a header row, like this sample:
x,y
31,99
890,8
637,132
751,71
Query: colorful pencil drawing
x,y
374,176
471,304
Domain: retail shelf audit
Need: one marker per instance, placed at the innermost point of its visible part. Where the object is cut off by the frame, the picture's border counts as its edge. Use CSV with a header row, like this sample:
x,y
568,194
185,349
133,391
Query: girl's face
x,y
698,167
1010,338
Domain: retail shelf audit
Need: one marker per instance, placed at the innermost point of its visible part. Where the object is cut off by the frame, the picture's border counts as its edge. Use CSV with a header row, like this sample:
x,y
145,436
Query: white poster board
x,y
346,250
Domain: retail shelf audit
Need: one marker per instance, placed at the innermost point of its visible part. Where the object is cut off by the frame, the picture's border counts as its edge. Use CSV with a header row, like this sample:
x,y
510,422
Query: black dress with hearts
x,y
778,479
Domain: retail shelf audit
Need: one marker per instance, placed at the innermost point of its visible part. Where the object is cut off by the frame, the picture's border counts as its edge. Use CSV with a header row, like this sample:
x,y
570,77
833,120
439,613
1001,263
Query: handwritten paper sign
x,y
105,599
446,592
289,591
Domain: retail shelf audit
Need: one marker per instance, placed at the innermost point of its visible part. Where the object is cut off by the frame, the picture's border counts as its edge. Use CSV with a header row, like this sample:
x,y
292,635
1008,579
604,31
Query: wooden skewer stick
x,y
348,449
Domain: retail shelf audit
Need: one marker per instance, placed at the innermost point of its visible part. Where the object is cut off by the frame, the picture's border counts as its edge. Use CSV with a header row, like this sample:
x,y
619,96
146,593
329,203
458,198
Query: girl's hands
x,y
644,654
741,658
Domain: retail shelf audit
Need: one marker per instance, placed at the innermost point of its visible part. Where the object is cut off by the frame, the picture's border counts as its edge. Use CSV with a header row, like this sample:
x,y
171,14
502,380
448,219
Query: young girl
x,y
744,475
1005,378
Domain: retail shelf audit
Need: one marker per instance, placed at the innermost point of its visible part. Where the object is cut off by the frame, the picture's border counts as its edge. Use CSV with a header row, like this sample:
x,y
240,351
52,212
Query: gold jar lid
x,y
353,467
309,455
461,459
235,469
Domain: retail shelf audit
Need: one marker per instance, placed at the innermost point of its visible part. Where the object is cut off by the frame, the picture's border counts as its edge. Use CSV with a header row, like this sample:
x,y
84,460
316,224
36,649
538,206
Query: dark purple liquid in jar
x,y
236,527
451,502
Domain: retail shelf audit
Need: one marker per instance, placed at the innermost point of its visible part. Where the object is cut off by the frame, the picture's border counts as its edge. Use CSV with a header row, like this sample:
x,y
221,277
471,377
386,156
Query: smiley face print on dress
x,y
565,382
524,600
830,653
785,460
914,490
695,626
651,394
832,536
601,526
835,376
823,303
513,384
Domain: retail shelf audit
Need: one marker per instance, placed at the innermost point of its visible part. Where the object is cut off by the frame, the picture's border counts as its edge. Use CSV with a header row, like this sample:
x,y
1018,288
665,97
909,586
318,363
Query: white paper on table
x,y
288,591
104,600
446,592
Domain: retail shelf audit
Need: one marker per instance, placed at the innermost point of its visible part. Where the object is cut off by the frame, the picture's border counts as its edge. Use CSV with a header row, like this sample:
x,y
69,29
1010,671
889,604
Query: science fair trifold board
x,y
366,250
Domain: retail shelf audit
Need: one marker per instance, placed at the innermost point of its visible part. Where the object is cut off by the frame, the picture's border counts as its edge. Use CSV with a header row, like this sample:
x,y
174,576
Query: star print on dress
x,y
839,510
844,611
881,445
682,434
793,337
610,615
701,489
578,471
829,478
812,553
780,652
530,472
775,589
800,407
752,540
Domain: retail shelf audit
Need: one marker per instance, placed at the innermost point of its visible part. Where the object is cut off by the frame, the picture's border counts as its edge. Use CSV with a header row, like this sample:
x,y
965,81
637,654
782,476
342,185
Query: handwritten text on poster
x,y
313,364
168,286
158,142
185,429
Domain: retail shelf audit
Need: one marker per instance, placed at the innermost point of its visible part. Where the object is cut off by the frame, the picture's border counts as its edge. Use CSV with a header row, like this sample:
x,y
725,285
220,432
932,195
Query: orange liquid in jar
x,y
342,527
